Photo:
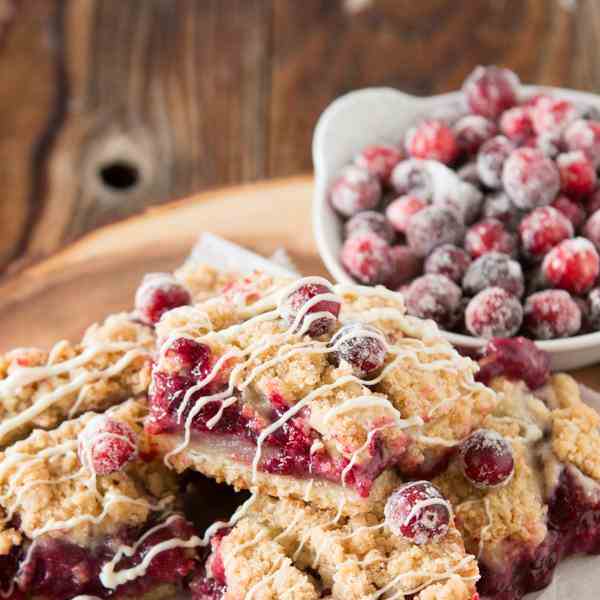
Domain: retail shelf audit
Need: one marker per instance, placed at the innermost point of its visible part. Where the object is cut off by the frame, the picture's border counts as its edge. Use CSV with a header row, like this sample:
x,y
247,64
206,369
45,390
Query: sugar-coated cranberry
x,y
448,260
486,459
552,114
494,270
542,229
471,131
417,511
370,221
379,160
491,158
362,346
400,211
549,144
516,123
434,297
551,314
494,312
593,202
106,445
489,235
577,174
591,229
491,90
530,179
305,293
432,140
585,136
465,203
432,227
593,301
406,265
498,205
571,209
188,357
413,178
515,358
158,293
469,173
573,265
368,258
355,190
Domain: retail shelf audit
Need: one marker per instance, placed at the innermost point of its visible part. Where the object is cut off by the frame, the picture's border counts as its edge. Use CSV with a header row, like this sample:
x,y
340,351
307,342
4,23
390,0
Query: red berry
x,y
577,174
498,205
530,179
434,297
368,258
355,190
491,90
585,136
494,312
417,511
158,293
432,227
494,270
489,235
433,140
402,209
552,114
413,178
573,265
591,229
516,123
486,459
362,346
470,173
185,356
370,221
551,314
542,229
305,293
465,203
379,160
448,260
406,265
105,445
491,158
549,144
515,358
471,131
593,203
570,209
594,309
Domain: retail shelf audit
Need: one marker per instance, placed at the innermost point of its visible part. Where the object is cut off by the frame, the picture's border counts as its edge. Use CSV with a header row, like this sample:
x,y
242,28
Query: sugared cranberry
x,y
593,315
469,173
551,314
577,174
498,205
494,270
158,293
362,346
188,357
106,445
593,202
491,158
308,293
486,459
402,209
471,131
379,160
432,227
530,179
489,235
494,312
411,177
465,203
591,229
370,221
573,265
572,210
491,90
355,190
406,265
585,136
448,260
542,229
434,297
432,140
418,511
516,123
515,358
549,144
368,259
552,114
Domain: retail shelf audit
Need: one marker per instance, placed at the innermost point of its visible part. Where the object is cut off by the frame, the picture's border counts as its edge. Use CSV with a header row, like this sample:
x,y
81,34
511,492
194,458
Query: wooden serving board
x,y
98,275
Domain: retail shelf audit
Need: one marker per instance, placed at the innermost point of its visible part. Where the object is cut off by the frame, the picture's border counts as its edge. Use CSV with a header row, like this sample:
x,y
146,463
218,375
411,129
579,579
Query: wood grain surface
x,y
108,107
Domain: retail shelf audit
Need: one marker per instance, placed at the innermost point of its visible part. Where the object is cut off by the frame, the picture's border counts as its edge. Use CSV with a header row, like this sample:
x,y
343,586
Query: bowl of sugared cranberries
x,y
481,207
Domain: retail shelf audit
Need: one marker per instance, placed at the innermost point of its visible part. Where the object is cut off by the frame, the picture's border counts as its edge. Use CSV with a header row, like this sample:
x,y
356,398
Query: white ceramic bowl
x,y
374,115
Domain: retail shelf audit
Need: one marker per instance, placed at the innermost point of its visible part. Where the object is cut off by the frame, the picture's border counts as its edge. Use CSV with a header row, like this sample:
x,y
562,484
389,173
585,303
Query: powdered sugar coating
x,y
591,229
577,174
551,314
448,260
491,90
368,258
516,123
494,312
432,227
412,177
498,205
434,297
362,346
491,158
464,202
494,269
469,173
473,130
489,235
379,160
584,135
370,221
542,229
400,211
355,190
552,115
572,265
432,139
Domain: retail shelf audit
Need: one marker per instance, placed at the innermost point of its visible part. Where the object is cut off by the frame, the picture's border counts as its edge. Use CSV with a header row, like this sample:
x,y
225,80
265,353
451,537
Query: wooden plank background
x,y
110,106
